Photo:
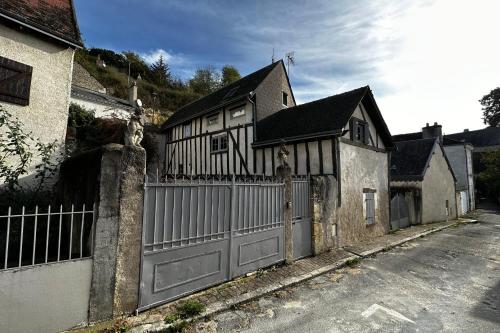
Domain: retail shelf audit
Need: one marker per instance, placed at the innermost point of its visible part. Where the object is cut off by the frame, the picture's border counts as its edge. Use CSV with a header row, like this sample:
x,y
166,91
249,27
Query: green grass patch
x,y
170,318
178,327
353,262
190,308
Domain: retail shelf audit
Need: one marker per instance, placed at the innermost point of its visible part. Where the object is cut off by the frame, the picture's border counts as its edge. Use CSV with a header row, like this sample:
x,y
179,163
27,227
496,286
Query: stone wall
x,y
361,169
269,97
324,194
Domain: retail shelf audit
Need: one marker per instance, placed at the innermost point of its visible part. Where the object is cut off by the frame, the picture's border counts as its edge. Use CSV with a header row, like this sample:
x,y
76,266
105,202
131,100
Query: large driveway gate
x,y
200,233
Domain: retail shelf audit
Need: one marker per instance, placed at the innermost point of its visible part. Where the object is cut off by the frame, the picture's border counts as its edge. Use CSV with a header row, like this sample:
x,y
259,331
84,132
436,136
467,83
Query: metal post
x,y
59,237
21,240
34,236
47,236
81,231
71,232
231,219
7,241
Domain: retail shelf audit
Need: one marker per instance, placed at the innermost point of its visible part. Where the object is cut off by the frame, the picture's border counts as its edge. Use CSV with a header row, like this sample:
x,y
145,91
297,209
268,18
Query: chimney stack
x,y
434,131
132,93
466,130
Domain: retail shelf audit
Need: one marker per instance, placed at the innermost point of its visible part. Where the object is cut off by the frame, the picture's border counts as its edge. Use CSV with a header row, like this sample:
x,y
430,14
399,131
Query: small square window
x,y
213,119
219,143
187,130
284,98
238,112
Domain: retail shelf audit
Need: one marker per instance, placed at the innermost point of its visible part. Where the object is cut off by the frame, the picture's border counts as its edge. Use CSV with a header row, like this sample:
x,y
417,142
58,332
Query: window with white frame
x,y
239,112
187,130
219,143
213,119
369,205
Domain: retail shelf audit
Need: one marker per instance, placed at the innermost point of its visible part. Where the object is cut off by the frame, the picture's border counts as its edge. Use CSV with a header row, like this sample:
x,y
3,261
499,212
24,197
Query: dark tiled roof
x,y
97,97
489,136
52,17
409,159
407,136
324,116
236,89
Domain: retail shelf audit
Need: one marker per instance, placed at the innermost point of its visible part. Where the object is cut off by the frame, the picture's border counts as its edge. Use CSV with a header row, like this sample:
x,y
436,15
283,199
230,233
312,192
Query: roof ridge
x,y
232,84
421,139
327,97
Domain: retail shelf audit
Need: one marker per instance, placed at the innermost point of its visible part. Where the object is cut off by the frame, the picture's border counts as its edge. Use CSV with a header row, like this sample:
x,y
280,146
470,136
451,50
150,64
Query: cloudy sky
x,y
425,60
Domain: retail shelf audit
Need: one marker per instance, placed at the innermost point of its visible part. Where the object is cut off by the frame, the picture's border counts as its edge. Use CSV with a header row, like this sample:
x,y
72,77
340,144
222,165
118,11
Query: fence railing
x,y
41,236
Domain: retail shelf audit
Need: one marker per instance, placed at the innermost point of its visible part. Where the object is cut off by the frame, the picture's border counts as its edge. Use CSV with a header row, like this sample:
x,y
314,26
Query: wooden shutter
x,y
15,82
370,207
353,124
367,134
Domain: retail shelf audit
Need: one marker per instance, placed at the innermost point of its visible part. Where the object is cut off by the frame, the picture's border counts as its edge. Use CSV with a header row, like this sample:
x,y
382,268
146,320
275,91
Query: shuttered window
x,y
15,82
369,207
360,131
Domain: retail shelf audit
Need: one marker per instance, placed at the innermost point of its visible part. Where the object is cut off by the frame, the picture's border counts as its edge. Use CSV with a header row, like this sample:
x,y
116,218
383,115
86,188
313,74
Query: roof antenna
x,y
290,60
272,58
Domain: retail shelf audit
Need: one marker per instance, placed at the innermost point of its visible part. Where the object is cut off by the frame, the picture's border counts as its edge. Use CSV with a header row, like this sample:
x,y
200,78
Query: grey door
x,y
301,219
399,212
200,233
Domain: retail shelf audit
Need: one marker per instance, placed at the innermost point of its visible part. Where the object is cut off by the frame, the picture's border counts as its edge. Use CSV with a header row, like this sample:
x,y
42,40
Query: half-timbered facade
x,y
214,135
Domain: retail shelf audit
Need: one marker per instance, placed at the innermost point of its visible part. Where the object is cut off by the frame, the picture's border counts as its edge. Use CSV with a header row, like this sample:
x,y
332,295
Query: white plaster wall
x,y
362,168
45,298
47,113
437,187
102,111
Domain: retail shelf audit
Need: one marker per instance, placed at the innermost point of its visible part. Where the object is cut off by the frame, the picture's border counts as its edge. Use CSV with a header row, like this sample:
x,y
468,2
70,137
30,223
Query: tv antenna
x,y
272,58
290,60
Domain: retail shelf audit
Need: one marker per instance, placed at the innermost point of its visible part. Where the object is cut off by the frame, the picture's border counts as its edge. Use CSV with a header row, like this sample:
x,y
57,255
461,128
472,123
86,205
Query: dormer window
x,y
360,131
284,97
213,119
239,112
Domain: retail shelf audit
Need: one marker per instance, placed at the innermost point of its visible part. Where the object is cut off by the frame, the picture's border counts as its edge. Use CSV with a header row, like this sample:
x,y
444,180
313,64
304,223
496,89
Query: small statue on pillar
x,y
283,170
135,127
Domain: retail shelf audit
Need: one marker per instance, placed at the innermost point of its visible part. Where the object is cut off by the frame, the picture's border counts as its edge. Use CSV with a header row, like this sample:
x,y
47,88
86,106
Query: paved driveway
x,y
445,282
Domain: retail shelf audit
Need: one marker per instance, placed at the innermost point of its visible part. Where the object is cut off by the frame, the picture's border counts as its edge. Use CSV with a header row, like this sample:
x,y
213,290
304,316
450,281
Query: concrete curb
x,y
218,307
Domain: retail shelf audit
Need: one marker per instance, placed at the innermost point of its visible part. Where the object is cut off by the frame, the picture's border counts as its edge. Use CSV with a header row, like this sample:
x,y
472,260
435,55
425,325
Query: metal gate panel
x,y
258,230
200,233
399,212
301,219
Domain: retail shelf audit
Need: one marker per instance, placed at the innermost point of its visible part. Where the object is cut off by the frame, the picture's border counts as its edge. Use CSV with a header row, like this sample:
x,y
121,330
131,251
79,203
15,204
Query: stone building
x,y
37,43
460,156
422,184
90,94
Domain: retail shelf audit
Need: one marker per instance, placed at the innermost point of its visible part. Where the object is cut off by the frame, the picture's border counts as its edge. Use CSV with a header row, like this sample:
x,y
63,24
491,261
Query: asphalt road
x,y
446,282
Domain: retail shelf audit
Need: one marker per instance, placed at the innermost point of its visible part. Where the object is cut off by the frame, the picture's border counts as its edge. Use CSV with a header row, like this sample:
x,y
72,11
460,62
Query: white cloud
x,y
169,57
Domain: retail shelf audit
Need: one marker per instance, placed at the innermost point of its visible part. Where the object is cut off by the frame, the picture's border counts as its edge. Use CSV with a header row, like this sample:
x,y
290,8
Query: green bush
x,y
170,318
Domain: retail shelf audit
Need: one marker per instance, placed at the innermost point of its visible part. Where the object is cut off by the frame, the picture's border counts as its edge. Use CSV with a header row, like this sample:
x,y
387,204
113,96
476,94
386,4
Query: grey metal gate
x,y
301,219
399,212
197,233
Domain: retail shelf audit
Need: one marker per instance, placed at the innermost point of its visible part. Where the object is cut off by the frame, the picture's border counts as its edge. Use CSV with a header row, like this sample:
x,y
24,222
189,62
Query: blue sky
x,y
425,60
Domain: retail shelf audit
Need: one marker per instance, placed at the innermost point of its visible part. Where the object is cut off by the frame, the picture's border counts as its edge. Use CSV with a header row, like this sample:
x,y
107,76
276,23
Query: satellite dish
x,y
139,103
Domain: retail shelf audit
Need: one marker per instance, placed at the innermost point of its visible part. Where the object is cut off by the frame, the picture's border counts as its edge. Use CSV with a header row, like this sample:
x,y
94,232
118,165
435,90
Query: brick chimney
x,y
132,93
434,131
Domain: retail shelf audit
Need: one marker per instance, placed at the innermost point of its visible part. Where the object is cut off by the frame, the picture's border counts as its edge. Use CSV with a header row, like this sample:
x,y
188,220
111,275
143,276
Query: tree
x,y
489,178
205,81
160,72
229,75
491,108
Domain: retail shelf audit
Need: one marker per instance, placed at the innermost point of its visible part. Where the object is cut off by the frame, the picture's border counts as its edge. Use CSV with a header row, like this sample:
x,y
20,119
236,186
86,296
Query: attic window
x,y
213,119
238,112
284,97
15,82
360,131
231,92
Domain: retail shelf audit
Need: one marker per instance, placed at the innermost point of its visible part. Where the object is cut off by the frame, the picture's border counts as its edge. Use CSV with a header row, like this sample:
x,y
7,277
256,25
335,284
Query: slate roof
x,y
327,116
489,136
234,91
407,136
409,159
55,18
100,98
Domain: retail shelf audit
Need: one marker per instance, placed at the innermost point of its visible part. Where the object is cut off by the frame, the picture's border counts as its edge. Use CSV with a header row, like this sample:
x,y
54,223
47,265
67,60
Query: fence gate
x,y
198,233
301,219
399,212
